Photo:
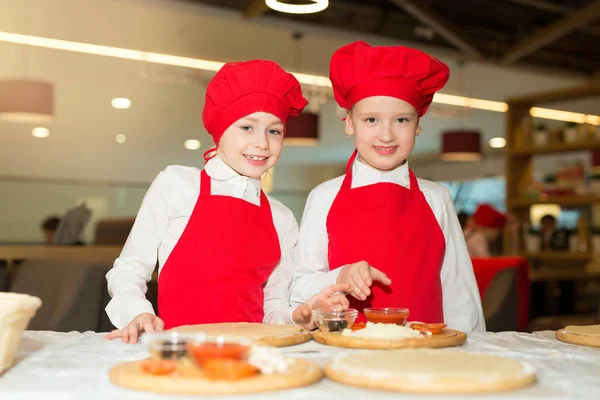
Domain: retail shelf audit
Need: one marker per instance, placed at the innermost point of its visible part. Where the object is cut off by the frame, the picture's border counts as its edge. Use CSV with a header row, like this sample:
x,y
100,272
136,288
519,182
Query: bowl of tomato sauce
x,y
218,347
386,315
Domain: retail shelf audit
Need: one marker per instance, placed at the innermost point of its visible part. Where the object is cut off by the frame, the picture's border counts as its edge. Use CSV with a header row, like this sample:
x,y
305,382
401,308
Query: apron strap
x,y
414,183
347,183
264,201
351,161
205,185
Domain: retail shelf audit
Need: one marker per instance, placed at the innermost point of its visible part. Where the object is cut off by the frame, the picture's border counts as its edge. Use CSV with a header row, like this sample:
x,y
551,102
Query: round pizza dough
x,y
447,338
431,371
278,335
585,335
129,375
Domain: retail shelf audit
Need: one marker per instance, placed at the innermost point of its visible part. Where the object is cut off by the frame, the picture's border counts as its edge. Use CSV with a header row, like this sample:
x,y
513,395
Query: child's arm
x,y
462,303
312,274
277,304
277,307
133,269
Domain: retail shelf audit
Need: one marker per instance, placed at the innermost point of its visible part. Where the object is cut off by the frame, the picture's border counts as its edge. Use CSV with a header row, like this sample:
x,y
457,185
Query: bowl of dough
x,y
16,310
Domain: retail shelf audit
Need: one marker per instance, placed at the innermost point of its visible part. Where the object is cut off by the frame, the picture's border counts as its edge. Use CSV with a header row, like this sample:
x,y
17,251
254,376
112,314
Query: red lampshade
x,y
595,158
461,146
302,130
26,100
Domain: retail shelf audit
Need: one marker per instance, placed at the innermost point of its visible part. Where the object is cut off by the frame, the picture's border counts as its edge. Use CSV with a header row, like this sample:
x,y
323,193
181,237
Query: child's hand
x,y
326,299
360,277
144,322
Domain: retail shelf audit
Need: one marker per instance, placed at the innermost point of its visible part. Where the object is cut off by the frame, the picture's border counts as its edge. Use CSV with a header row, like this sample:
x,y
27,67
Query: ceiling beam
x,y
543,5
552,32
255,8
445,29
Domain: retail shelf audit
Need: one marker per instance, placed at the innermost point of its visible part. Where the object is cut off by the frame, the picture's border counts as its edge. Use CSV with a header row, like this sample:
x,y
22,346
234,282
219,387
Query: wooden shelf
x,y
557,148
560,200
563,274
520,169
559,256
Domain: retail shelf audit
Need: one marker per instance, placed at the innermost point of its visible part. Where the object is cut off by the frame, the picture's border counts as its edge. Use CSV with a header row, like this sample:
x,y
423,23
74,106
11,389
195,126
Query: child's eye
x,y
370,120
246,128
274,132
402,120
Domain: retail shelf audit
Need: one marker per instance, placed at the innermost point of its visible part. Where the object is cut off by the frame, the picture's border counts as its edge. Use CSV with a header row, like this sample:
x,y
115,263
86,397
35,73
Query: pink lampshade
x,y
24,100
461,145
302,130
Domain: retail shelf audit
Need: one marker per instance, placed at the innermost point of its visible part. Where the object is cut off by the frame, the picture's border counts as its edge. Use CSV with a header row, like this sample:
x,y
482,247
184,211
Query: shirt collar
x,y
363,174
218,170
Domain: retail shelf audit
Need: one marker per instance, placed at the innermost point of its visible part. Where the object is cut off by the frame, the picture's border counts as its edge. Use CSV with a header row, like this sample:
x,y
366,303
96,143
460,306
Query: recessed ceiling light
x,y
497,142
192,144
121,103
40,132
121,138
313,6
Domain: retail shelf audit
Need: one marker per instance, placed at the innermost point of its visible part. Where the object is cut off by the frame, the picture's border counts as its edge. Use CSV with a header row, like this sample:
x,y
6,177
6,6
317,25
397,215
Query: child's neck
x,y
363,161
220,160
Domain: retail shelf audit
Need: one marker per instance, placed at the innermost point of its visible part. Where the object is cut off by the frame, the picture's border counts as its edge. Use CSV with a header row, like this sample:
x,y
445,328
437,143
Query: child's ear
x,y
419,130
349,126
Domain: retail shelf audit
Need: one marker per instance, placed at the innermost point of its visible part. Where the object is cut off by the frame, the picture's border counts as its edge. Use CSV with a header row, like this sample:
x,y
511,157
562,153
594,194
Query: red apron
x,y
394,230
219,266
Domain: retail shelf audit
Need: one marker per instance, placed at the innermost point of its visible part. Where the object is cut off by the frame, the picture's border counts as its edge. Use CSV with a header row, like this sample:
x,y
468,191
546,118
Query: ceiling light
x,y
461,101
192,144
497,142
121,138
121,103
314,6
566,116
40,132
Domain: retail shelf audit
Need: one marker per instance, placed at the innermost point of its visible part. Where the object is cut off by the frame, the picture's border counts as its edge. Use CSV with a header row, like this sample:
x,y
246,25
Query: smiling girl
x,y
224,248
394,238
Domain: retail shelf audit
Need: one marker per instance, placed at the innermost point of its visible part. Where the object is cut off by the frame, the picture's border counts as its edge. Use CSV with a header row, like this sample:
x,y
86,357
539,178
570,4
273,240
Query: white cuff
x,y
122,311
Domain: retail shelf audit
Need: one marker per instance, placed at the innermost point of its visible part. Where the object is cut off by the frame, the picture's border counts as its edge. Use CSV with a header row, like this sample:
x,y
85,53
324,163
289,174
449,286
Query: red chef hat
x,y
242,88
489,217
359,70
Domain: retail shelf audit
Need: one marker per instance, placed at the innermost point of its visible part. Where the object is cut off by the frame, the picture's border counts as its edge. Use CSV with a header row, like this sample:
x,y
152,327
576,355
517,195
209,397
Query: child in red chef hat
x,y
487,226
394,238
224,248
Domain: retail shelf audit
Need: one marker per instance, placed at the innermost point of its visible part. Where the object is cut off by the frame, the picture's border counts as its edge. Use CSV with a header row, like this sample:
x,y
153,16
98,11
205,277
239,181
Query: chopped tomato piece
x,y
204,351
359,326
228,369
435,329
159,367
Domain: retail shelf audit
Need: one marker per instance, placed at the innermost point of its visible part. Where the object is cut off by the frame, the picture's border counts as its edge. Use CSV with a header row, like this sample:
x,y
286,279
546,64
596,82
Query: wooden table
x,y
11,253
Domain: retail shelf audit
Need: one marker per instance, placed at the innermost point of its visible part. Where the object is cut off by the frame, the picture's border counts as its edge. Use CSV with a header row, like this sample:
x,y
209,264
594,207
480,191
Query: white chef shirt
x,y
461,300
164,214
